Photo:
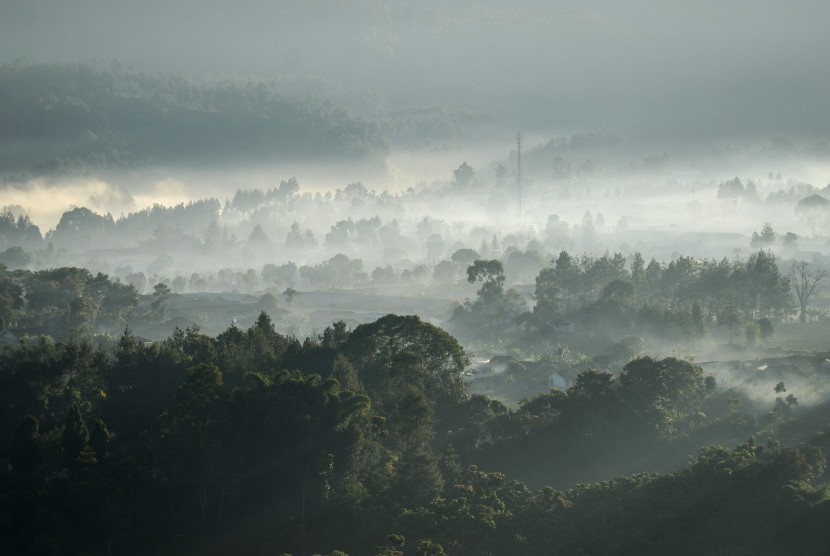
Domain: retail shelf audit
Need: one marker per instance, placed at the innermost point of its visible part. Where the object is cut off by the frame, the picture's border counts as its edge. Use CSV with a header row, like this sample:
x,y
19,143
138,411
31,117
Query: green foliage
x,y
161,298
17,232
630,347
396,349
417,479
766,238
94,116
11,297
15,257
548,308
252,442
345,373
675,300
730,318
465,257
64,301
491,274
75,440
494,308
194,406
662,392
427,547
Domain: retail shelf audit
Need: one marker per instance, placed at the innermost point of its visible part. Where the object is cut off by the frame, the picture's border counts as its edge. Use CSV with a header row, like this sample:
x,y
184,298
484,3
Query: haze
x,y
711,68
414,277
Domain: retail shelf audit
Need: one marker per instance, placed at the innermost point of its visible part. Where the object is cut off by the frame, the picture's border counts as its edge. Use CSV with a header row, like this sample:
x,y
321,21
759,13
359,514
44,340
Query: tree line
x,y
615,296
91,117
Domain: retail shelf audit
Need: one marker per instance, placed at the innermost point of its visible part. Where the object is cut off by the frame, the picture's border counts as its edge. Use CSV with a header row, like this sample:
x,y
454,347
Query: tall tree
x,y
548,307
567,275
161,297
375,351
805,280
491,274
767,289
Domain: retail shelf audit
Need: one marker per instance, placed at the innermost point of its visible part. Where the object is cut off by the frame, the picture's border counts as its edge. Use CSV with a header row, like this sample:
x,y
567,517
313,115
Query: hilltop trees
x,y
765,289
765,238
161,298
491,275
494,308
15,257
81,226
99,109
734,189
18,231
677,298
299,241
386,350
64,300
813,208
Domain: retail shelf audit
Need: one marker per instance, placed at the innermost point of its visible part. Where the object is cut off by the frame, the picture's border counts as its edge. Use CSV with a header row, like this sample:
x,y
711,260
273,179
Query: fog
x,y
729,68
397,277
639,189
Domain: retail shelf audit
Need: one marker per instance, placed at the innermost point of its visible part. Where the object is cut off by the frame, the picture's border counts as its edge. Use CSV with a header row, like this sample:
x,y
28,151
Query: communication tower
x,y
519,171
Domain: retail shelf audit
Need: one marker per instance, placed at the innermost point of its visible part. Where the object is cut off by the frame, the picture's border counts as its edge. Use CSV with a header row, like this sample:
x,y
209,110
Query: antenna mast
x,y
519,171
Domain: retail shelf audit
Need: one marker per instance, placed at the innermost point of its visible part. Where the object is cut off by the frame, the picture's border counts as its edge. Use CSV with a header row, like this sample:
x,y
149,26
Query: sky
x,y
726,68
685,78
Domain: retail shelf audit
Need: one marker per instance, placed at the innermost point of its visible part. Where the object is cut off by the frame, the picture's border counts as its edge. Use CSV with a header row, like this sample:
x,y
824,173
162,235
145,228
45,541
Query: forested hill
x,y
69,117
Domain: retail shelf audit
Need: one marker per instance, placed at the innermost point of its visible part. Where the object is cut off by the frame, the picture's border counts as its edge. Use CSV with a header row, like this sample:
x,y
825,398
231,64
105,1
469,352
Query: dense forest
x,y
60,118
85,116
364,440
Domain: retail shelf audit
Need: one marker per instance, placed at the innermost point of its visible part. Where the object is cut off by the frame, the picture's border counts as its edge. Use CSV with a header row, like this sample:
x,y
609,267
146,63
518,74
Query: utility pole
x,y
519,171
694,207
